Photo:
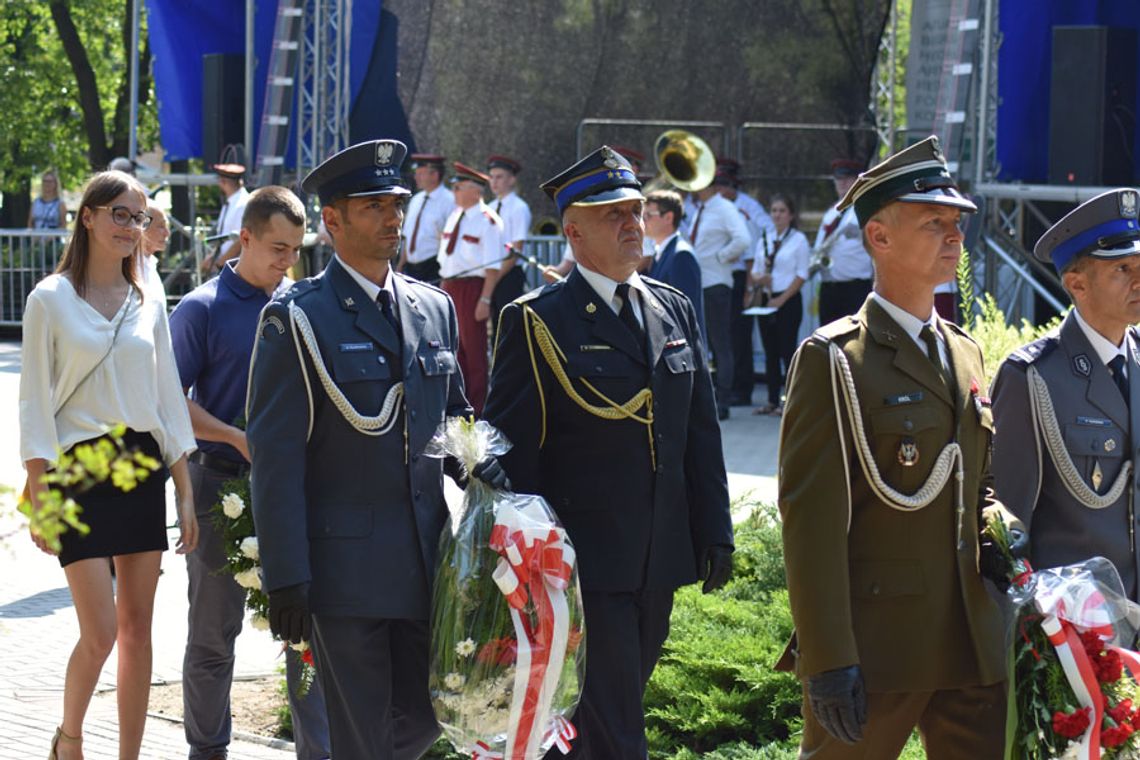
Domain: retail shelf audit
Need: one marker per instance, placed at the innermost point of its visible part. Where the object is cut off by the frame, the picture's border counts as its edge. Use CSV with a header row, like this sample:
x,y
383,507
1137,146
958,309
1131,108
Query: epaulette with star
x,y
539,292
662,285
1034,352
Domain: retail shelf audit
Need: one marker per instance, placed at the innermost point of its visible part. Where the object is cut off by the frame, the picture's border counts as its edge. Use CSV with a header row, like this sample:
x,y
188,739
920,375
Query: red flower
x,y
1122,712
500,652
1134,719
1115,736
1107,666
1071,725
307,657
1092,642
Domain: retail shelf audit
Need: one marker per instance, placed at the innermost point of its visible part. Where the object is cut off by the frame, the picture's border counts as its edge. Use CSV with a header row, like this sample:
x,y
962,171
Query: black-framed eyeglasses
x,y
122,216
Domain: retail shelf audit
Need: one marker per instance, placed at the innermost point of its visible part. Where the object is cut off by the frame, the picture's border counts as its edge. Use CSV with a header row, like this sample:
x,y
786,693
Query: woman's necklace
x,y
106,300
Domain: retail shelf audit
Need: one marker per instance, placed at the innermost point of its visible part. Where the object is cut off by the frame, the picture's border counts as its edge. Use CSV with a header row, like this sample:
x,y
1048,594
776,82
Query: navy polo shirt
x,y
213,330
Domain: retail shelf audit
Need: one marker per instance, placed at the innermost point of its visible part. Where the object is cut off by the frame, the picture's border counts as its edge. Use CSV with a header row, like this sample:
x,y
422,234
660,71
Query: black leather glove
x,y
839,702
993,564
289,613
492,473
455,470
717,566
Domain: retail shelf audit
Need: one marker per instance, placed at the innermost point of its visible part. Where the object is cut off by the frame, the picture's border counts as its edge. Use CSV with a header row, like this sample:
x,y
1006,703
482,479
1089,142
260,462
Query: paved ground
x,y
38,626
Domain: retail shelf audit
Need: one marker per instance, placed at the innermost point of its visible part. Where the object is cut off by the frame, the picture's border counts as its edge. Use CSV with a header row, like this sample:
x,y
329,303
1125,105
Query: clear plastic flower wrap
x,y
1074,677
508,637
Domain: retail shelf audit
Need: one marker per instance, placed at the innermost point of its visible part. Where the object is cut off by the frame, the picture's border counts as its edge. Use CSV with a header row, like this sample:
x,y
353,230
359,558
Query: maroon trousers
x,y
465,292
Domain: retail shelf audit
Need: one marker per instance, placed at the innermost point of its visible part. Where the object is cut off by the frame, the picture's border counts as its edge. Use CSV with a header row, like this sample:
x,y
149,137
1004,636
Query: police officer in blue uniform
x,y
353,371
1067,406
600,383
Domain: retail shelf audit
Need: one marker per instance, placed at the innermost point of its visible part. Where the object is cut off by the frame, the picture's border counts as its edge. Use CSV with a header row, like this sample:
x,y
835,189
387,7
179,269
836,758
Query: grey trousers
x,y
217,606
718,322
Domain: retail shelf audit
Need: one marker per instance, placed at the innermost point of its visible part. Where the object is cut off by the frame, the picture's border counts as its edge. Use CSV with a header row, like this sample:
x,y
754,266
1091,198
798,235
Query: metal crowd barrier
x,y
26,257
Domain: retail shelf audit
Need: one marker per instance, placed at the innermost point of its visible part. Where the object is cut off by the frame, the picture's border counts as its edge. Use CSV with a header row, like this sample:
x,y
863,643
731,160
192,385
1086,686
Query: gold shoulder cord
x,y
949,459
1045,420
537,332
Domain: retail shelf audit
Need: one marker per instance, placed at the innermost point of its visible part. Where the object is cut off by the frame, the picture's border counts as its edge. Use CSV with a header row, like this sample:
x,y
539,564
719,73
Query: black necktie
x,y
385,301
931,341
628,318
1118,376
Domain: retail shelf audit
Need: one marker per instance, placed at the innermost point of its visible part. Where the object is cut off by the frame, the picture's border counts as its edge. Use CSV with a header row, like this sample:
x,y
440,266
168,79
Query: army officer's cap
x,y
917,174
1104,227
499,161
602,177
464,173
367,168
434,160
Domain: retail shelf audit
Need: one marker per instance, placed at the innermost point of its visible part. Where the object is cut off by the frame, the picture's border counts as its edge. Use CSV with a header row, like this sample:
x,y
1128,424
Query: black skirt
x,y
121,522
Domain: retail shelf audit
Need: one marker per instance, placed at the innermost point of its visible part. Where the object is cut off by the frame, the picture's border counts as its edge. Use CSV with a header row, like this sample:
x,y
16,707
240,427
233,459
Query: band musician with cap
x,y
471,251
231,181
516,216
426,215
600,382
1066,406
843,262
894,627
352,372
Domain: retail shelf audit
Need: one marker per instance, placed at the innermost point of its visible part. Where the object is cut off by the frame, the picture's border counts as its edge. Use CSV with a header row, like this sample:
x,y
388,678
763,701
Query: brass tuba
x,y
684,161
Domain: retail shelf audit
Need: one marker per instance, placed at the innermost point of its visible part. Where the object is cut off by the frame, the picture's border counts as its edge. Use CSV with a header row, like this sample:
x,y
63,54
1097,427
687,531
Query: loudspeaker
x,y
1092,106
223,103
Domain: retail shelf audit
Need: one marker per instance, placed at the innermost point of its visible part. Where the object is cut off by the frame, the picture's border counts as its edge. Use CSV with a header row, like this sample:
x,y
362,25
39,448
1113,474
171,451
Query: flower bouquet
x,y
1074,681
507,650
234,522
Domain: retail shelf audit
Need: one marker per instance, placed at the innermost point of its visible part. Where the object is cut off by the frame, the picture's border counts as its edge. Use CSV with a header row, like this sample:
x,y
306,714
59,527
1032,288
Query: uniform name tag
x,y
598,347
1094,421
350,348
906,398
677,343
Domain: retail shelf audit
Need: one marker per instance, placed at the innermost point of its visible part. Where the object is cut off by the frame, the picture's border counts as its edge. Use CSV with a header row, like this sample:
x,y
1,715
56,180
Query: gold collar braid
x,y
538,333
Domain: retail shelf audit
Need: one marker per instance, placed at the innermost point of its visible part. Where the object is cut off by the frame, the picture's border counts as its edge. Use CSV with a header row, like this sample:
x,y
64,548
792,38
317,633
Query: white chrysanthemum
x,y
250,578
232,506
258,623
465,648
299,647
250,548
454,681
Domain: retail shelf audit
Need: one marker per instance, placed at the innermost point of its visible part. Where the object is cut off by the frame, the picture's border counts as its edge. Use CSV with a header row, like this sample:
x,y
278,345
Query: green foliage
x,y
998,339
41,124
965,278
715,684
79,470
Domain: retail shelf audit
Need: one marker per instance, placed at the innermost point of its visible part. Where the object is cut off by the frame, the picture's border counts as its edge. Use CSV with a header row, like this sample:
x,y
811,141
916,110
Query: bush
x,y
714,687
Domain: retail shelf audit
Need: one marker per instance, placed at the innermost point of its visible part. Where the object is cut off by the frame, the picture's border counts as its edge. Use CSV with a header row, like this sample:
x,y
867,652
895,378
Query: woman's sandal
x,y
59,734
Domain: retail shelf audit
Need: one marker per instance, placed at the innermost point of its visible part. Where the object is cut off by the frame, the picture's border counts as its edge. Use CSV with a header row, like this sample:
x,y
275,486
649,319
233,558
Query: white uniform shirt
x,y
607,291
721,239
791,260
757,221
137,384
480,244
431,211
849,260
515,214
229,218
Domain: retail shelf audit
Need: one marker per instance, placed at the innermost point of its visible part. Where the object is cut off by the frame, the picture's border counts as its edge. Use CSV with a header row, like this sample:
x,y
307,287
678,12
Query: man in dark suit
x,y
884,478
353,371
1067,406
600,383
673,261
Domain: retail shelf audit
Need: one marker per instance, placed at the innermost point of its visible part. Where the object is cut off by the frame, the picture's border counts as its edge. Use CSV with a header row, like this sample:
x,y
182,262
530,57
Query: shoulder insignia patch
x,y
1082,365
272,321
837,328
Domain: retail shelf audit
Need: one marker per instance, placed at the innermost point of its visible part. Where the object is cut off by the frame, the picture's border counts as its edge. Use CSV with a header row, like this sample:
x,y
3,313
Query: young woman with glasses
x,y
96,354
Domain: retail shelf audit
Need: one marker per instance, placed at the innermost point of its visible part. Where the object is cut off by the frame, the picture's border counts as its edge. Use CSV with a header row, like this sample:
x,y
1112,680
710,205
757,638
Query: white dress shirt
x,y
607,291
793,256
480,245
370,288
757,221
912,326
229,218
137,384
721,239
849,260
431,211
515,214
1105,351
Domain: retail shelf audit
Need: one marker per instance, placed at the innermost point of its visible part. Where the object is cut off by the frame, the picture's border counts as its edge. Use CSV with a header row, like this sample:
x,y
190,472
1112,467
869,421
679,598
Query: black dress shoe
x,y
722,413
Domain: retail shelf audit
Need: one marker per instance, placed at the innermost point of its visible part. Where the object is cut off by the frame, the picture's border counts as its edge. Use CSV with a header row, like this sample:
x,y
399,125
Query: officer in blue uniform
x,y
353,371
600,383
1067,406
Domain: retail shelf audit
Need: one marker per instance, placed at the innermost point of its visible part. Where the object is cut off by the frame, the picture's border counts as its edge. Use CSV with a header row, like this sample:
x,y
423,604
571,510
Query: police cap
x,y
367,168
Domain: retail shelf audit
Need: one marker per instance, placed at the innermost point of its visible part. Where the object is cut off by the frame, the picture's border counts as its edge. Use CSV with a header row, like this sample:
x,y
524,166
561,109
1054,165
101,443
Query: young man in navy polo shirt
x,y
213,330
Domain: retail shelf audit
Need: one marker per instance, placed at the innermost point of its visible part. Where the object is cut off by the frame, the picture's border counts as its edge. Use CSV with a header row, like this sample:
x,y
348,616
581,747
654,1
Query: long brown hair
x,y
100,190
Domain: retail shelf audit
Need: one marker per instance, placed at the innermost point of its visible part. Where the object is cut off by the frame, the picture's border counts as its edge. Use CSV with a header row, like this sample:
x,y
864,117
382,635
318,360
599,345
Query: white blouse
x,y
791,260
137,384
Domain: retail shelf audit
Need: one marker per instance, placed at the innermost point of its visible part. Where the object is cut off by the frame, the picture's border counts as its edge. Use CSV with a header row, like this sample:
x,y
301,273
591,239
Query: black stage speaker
x,y
223,103
1092,106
